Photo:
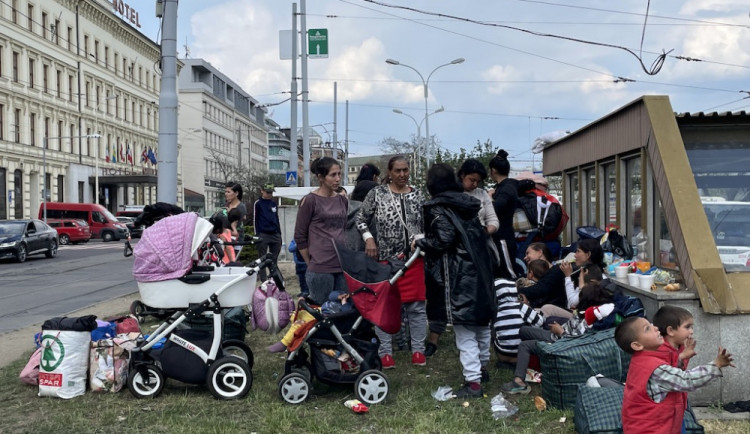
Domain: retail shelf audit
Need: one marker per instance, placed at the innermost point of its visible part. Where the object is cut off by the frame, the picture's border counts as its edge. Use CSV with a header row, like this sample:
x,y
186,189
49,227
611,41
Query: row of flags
x,y
123,154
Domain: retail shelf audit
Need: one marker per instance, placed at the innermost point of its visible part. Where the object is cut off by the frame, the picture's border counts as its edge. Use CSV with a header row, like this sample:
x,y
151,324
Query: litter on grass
x,y
443,393
501,407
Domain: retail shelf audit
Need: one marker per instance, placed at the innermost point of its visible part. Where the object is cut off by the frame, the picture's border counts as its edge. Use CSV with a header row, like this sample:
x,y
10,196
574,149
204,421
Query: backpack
x,y
271,307
625,307
543,210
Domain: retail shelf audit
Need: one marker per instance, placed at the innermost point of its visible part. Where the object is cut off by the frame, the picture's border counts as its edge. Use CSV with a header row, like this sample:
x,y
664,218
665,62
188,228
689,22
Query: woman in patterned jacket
x,y
395,211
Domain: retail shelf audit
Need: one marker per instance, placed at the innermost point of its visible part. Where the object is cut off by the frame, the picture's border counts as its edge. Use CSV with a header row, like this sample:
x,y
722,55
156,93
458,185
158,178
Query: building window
x,y
15,66
58,82
31,73
86,95
60,188
71,88
72,134
46,127
80,191
575,200
86,45
2,122
1,60
634,193
30,16
88,141
721,175
32,129
96,51
17,127
60,130
610,194
3,197
106,57
70,39
44,25
45,79
14,16
18,193
55,31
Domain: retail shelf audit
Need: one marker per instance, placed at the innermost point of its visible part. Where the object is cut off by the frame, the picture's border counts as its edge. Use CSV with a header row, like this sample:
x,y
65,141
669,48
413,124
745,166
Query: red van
x,y
70,230
101,222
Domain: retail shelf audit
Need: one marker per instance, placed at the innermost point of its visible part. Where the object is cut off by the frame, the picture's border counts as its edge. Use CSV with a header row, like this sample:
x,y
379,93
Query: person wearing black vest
x,y
267,226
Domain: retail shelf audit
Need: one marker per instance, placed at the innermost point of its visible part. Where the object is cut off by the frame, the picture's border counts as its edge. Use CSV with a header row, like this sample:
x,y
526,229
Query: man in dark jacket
x,y
458,273
267,227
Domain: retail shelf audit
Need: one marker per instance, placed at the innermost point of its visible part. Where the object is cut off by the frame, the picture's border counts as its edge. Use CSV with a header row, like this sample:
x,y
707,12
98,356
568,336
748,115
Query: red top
x,y
640,414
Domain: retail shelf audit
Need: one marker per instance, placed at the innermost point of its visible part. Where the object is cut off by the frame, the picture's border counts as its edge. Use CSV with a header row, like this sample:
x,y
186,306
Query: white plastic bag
x,y
63,365
501,407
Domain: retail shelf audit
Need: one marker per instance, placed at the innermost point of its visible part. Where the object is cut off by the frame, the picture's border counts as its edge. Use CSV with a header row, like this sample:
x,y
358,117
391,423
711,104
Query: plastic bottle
x,y
501,407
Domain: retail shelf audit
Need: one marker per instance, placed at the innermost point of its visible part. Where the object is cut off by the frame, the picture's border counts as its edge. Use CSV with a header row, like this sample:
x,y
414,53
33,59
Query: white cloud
x,y
692,7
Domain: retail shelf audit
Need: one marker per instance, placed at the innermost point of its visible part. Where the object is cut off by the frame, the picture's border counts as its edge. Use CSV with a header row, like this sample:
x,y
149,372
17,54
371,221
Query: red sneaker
x,y
387,362
418,359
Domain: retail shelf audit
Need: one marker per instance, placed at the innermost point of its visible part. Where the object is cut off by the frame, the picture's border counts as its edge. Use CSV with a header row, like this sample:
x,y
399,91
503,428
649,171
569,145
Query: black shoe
x,y
485,375
467,392
430,349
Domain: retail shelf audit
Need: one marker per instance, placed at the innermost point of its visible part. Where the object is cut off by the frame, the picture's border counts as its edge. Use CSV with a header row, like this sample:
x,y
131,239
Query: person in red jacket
x,y
653,402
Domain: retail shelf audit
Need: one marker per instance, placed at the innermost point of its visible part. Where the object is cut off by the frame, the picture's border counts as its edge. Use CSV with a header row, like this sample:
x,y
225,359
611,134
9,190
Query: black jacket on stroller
x,y
458,261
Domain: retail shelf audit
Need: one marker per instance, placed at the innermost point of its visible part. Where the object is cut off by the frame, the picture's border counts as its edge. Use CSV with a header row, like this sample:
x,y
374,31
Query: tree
x,y
483,152
250,180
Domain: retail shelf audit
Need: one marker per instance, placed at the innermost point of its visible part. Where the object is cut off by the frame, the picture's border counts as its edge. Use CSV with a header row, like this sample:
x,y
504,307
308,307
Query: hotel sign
x,y
127,12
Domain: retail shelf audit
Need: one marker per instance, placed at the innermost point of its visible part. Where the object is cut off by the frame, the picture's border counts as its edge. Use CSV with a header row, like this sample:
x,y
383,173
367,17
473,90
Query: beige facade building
x,y
69,71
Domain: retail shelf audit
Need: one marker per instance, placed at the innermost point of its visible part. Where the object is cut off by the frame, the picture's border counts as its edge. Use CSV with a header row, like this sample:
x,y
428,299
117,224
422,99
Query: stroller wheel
x,y
294,388
229,378
137,309
371,387
237,348
148,384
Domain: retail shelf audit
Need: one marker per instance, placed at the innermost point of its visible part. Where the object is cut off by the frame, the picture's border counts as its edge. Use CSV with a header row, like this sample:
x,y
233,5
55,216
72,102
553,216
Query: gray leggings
x,y
417,317
527,347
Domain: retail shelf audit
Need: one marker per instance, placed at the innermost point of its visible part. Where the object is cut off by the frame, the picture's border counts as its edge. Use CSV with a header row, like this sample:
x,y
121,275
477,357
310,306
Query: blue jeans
x,y
321,285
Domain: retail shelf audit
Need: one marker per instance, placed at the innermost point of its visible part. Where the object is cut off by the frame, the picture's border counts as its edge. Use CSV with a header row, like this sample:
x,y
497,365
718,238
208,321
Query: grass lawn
x,y
182,408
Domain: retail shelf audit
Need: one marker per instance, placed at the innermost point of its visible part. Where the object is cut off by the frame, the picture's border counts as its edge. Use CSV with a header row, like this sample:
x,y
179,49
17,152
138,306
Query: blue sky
x,y
513,86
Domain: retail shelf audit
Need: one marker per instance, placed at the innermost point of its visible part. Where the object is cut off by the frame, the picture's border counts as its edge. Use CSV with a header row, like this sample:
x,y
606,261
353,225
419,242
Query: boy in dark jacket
x,y
458,273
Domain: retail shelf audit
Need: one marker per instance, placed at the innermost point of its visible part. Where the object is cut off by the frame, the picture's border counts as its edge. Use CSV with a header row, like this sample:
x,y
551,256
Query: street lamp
x,y
425,83
44,163
419,124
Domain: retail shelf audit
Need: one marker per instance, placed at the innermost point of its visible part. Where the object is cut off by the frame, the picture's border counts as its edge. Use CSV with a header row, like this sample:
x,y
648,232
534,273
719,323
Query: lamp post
x,y
425,83
45,140
419,124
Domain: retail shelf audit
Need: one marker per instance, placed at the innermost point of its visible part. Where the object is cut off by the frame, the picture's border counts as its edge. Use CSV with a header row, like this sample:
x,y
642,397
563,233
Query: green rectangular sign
x,y
317,43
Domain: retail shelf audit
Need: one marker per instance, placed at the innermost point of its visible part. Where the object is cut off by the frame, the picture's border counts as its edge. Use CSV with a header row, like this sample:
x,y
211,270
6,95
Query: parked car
x,y
24,237
135,231
71,230
101,222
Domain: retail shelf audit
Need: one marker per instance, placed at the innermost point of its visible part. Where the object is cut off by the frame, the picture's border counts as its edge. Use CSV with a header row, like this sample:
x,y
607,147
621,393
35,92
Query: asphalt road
x,y
80,276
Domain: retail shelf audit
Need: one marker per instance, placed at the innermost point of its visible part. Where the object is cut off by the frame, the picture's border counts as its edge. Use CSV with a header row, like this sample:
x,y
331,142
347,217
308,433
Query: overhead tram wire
x,y
655,66
691,20
699,23
616,78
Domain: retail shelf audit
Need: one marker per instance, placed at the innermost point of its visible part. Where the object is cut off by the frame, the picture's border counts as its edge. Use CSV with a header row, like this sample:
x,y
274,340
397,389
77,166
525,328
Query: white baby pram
x,y
163,269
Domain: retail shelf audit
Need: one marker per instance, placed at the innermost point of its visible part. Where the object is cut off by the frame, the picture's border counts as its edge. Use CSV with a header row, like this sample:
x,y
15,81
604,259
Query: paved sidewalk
x,y
17,343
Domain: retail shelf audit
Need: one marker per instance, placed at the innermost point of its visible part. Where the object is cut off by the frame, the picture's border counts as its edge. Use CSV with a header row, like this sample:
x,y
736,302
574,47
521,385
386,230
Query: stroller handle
x,y
311,310
408,264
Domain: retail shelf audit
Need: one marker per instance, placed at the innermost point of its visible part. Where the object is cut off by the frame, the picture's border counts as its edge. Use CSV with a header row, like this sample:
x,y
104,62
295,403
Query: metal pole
x,y
335,138
44,163
167,175
294,146
346,141
305,122
426,127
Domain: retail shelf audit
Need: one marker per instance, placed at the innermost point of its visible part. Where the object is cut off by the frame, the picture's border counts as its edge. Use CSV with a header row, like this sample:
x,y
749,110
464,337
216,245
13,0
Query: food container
x,y
621,272
633,279
646,281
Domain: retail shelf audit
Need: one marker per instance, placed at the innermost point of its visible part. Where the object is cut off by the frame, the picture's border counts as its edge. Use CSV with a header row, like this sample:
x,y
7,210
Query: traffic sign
x,y
291,178
317,43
